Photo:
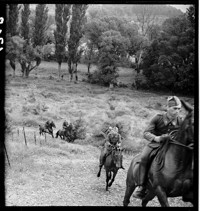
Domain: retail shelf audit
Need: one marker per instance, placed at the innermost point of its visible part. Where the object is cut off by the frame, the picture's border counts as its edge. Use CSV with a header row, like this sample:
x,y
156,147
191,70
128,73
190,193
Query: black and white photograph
x,y
99,104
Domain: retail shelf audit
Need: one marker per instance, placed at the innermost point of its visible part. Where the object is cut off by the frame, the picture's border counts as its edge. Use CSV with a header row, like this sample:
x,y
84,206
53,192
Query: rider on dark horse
x,y
48,126
157,131
65,125
113,139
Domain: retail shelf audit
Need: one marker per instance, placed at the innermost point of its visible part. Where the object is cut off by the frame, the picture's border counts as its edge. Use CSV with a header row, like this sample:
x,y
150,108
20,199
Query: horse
x,y
112,164
171,171
60,133
47,128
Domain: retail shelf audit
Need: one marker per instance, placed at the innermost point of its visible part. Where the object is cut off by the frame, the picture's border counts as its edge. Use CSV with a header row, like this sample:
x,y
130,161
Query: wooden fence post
x,y
24,136
6,153
35,138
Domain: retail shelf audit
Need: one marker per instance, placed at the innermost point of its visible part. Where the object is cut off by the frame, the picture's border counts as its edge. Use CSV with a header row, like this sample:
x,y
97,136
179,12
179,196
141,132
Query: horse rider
x,y
47,125
156,132
65,125
113,140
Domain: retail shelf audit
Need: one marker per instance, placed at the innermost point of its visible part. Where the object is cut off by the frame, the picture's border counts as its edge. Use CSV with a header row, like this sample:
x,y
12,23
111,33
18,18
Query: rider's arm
x,y
149,131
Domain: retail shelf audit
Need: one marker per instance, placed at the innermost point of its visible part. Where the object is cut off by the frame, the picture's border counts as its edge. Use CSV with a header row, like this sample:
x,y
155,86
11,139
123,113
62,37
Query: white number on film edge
x,y
1,40
1,20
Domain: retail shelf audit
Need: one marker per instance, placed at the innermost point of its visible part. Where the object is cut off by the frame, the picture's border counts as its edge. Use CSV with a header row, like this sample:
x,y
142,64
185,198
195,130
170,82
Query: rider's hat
x,y
173,101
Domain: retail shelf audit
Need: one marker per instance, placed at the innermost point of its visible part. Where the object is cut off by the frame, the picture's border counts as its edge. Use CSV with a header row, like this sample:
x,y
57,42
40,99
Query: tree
x,y
113,47
12,19
62,15
146,18
191,15
170,58
25,21
12,30
76,32
24,53
40,25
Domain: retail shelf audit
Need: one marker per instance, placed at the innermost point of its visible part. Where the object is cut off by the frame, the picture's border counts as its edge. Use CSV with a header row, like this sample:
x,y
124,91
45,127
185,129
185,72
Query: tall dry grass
x,y
32,101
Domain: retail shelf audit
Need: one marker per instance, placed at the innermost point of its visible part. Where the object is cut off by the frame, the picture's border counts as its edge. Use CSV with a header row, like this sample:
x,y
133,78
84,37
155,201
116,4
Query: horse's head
x,y
187,126
117,157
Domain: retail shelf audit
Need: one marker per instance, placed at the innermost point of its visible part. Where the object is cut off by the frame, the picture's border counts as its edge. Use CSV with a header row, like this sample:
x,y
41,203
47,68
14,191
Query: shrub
x,y
79,129
104,76
141,82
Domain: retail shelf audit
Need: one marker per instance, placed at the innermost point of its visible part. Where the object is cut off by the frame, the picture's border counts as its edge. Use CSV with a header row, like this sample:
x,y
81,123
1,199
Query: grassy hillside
x,y
53,172
30,102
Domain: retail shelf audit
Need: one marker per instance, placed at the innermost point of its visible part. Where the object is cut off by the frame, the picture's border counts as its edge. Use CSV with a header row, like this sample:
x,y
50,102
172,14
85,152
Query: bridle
x,y
173,141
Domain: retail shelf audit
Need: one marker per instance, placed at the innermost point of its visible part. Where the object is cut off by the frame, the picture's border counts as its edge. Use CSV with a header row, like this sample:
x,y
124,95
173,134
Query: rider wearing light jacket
x,y
157,131
113,140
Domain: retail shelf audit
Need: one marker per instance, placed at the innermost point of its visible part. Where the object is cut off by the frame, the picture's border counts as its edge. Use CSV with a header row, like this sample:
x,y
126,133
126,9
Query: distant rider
x,y
113,140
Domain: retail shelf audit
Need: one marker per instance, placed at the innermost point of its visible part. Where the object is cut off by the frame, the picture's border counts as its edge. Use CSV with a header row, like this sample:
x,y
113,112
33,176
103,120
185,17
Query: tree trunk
x,y
75,71
89,64
70,70
12,64
23,66
59,69
27,72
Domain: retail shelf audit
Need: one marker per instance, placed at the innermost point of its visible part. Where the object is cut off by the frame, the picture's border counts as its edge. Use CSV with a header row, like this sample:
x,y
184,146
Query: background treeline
x,y
156,40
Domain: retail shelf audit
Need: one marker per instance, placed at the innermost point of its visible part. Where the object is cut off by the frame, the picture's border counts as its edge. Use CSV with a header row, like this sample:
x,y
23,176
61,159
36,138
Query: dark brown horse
x,y
112,164
61,133
47,128
171,171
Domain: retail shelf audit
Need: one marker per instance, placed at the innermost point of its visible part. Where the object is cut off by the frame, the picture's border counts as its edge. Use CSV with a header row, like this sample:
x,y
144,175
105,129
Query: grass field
x,y
31,101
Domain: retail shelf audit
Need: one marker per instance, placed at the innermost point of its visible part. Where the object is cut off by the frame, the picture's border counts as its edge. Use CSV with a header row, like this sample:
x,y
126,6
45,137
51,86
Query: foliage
x,y
168,63
24,53
108,45
49,52
12,19
104,76
62,15
129,11
191,15
76,32
40,25
25,21
79,128
113,46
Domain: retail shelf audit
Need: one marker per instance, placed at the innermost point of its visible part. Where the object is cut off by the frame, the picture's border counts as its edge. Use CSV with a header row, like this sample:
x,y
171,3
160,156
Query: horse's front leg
x,y
51,132
162,196
129,190
113,178
108,176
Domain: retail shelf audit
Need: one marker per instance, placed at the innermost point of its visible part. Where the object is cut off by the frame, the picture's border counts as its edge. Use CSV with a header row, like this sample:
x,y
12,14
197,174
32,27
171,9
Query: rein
x,y
173,141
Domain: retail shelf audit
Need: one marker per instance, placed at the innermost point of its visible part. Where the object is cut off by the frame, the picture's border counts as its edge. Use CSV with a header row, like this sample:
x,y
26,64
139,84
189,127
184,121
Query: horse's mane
x,y
180,135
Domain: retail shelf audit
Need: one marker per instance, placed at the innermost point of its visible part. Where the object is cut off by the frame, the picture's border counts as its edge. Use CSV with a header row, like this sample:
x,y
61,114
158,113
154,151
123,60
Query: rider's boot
x,y
140,190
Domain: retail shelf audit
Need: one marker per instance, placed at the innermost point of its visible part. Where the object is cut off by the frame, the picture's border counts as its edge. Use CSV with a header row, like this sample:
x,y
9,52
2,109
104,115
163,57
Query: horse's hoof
x,y
98,175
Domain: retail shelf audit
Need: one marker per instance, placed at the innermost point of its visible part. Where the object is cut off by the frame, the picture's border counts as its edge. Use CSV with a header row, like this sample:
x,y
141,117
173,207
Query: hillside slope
x,y
60,173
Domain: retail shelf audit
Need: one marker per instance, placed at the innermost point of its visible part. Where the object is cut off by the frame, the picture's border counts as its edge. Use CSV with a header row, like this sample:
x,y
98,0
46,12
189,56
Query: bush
x,y
79,129
104,76
141,82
